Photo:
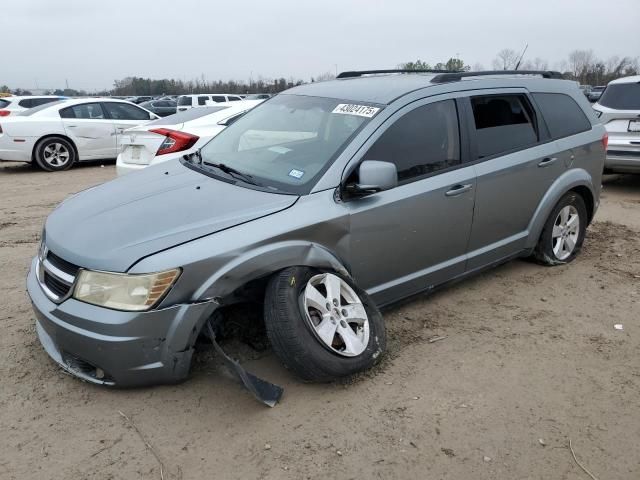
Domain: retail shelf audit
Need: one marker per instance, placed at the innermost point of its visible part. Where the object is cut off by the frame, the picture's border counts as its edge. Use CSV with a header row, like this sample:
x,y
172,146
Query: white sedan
x,y
176,135
58,134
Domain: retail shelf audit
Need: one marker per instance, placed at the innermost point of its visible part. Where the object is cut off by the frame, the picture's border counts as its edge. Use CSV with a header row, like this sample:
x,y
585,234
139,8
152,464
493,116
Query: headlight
x,y
122,291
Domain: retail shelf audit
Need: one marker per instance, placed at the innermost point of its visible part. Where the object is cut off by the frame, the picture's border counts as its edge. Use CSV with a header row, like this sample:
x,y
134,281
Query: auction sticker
x,y
296,173
359,110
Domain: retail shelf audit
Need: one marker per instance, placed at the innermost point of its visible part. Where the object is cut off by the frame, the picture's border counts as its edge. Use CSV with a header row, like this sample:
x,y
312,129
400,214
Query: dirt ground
x,y
530,361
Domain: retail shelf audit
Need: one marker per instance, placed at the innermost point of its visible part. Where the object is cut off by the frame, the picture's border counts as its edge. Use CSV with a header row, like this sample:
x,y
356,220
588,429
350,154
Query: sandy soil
x,y
531,359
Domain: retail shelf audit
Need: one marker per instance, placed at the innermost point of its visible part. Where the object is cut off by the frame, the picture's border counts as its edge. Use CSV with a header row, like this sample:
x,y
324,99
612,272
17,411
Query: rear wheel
x,y
563,234
55,153
321,325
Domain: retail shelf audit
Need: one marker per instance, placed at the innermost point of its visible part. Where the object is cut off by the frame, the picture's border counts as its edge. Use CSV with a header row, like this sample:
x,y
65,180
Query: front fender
x,y
266,260
569,180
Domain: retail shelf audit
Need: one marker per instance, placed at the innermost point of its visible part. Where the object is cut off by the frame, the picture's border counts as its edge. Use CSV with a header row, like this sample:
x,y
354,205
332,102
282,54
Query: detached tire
x,y
54,154
321,325
563,233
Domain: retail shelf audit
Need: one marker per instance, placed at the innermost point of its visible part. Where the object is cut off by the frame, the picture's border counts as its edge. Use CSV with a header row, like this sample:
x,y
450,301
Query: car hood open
x,y
112,226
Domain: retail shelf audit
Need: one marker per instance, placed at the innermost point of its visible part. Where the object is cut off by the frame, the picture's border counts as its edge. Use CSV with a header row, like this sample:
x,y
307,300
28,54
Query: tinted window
x,y
562,114
202,100
91,111
4,103
26,103
184,101
124,111
423,141
218,98
233,99
503,123
621,96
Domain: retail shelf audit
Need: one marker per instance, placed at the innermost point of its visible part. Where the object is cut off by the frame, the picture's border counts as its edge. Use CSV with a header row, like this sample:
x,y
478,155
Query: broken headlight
x,y
121,291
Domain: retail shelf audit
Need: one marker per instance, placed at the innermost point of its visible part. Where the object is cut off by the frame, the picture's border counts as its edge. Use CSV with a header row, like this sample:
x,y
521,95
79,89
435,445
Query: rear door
x,y
515,162
92,132
125,116
414,236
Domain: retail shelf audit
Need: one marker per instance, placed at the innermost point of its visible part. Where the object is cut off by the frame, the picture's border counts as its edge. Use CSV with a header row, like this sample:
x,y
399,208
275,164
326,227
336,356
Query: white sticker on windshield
x,y
296,173
279,149
359,110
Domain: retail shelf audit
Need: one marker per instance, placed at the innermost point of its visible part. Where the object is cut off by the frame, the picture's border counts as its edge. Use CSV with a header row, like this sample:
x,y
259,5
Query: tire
x,y
54,154
297,342
561,239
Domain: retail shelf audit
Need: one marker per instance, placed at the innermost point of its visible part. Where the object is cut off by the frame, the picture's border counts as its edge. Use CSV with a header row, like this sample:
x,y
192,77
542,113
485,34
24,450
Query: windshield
x,y
621,96
286,143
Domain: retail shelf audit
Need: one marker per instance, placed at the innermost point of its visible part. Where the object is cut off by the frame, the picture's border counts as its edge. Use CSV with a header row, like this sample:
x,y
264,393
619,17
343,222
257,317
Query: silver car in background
x,y
619,111
320,205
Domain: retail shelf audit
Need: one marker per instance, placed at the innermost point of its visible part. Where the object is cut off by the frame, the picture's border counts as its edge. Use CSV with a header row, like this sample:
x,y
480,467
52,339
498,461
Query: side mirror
x,y
374,176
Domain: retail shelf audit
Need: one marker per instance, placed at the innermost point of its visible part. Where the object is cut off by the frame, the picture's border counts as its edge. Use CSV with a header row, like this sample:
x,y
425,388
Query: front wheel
x,y
564,231
321,325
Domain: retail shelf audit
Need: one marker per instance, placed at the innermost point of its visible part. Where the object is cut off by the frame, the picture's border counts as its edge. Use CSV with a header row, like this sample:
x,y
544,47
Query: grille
x,y
62,264
56,275
55,285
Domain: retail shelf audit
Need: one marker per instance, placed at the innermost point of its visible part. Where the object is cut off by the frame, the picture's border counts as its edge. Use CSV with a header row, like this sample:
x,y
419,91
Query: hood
x,y
112,226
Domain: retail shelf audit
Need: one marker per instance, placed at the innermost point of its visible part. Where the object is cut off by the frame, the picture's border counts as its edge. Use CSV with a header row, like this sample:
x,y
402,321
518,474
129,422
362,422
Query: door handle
x,y
547,161
458,190
72,126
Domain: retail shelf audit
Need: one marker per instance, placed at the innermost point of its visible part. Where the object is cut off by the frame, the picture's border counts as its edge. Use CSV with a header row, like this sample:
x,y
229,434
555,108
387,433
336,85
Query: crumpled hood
x,y
112,226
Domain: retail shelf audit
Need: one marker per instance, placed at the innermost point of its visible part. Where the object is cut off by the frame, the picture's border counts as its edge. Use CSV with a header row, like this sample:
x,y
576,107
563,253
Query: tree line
x,y
581,65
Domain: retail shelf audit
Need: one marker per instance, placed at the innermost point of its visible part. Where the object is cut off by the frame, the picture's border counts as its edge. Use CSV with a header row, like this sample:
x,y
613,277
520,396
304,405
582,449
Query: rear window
x,y
31,111
562,114
503,123
184,101
4,103
621,96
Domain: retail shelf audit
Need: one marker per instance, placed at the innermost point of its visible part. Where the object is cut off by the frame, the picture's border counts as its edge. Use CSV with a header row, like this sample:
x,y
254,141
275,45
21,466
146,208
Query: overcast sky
x,y
93,42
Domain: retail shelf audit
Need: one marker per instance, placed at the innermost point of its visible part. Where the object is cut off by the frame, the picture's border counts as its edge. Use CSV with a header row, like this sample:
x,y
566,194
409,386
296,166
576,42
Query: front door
x,y
125,116
414,236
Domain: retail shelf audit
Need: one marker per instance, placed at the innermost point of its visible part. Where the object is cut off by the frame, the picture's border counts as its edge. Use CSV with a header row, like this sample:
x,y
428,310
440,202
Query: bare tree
x,y
580,62
507,59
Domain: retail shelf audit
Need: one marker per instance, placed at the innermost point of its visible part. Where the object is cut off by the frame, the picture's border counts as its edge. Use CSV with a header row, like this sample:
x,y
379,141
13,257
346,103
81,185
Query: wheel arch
x,y
54,135
266,260
577,180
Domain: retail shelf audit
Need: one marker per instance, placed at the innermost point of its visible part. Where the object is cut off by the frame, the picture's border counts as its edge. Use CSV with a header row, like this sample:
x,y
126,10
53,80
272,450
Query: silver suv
x,y
619,111
324,204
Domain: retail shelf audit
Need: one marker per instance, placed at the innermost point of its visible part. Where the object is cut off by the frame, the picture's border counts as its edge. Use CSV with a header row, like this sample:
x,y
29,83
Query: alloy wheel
x,y
566,230
336,315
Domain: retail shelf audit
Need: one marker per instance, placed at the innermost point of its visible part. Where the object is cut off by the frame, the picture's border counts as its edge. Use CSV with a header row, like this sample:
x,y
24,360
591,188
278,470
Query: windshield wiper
x,y
197,154
245,177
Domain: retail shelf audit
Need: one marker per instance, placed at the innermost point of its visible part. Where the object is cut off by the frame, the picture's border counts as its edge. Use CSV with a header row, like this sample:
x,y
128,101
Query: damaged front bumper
x,y
118,348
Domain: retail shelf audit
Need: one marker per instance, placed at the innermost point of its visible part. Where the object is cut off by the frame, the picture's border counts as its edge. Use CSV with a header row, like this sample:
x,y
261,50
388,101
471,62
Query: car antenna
x,y
521,56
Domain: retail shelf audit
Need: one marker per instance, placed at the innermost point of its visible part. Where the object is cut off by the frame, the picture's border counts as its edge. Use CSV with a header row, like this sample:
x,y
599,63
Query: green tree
x,y
417,65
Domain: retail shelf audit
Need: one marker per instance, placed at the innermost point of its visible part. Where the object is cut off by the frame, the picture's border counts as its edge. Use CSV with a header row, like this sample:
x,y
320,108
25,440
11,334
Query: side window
x,y
202,100
218,98
423,141
563,115
124,111
233,99
26,103
503,123
91,111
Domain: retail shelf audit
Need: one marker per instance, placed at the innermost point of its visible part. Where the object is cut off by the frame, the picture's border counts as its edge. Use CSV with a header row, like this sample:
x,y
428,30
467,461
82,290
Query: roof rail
x,y
359,73
454,77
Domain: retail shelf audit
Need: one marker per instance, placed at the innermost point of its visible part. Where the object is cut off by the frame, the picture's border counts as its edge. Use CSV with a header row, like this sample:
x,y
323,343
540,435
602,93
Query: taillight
x,y
5,113
605,140
175,141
